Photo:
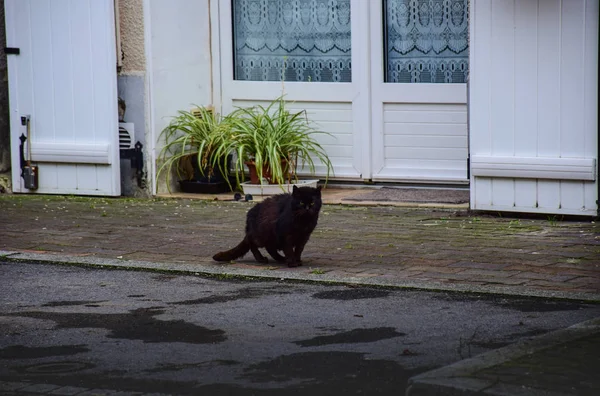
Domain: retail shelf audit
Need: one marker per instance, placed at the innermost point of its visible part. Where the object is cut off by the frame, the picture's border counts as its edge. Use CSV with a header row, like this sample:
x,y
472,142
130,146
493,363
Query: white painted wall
x,y
179,60
533,106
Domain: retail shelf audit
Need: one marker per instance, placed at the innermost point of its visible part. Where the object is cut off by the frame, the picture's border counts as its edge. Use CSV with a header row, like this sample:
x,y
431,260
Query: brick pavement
x,y
449,249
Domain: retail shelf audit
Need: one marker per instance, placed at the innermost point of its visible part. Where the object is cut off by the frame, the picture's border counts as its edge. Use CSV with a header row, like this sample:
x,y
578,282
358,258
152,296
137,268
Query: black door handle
x,y
12,51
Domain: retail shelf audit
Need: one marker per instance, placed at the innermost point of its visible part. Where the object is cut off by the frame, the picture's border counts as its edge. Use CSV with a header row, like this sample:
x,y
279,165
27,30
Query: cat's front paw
x,y
293,264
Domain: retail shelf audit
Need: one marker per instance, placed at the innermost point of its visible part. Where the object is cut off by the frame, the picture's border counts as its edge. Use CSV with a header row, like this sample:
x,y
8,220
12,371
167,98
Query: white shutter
x,y
65,78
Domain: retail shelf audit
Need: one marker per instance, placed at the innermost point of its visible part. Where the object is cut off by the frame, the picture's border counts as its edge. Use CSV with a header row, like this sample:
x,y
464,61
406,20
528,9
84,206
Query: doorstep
x,y
345,195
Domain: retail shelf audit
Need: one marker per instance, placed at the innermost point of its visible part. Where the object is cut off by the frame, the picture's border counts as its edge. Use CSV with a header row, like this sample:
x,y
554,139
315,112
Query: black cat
x,y
282,222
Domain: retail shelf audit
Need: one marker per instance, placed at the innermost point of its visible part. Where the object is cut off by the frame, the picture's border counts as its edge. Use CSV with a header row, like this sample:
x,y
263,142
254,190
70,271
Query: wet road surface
x,y
108,330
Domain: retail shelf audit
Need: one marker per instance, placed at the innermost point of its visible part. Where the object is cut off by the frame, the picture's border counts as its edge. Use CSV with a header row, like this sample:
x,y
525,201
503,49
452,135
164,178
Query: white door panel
x,y
381,131
534,106
339,108
419,130
65,79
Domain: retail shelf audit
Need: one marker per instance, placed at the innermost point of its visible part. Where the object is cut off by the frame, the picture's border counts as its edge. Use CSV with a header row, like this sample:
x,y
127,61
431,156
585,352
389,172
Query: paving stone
x,y
488,266
394,244
485,273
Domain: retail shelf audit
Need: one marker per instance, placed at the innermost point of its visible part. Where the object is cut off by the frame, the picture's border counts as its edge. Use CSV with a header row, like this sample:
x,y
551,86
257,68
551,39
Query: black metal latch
x,y
12,51
136,156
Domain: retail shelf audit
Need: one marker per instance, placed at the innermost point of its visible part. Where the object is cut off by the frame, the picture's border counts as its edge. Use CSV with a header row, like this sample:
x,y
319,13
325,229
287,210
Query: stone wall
x,y
132,86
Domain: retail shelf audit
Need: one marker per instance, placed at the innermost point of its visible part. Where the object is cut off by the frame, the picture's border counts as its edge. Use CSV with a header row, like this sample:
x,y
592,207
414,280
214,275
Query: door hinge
x,y
12,51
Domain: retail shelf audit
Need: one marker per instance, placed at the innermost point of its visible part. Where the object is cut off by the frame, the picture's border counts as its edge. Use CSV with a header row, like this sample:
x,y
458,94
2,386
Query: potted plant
x,y
273,143
192,142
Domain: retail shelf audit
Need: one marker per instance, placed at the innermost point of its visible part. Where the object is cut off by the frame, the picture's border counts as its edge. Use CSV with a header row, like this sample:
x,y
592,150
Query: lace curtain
x,y
294,40
427,41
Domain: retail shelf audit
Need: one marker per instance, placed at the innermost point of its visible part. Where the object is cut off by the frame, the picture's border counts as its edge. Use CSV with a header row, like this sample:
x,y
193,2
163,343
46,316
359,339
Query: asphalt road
x,y
71,329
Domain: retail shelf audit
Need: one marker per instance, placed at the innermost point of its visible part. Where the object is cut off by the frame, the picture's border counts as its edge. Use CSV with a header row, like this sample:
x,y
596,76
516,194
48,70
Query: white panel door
x,y
64,78
339,108
534,106
419,115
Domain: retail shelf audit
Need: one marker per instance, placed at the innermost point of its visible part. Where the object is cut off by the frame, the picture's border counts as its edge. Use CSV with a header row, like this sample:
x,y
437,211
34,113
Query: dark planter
x,y
203,187
204,184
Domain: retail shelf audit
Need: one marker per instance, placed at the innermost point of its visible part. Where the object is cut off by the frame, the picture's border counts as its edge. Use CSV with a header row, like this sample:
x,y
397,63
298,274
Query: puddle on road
x,y
138,324
320,373
354,336
536,305
55,368
351,294
200,365
71,303
241,294
520,304
24,352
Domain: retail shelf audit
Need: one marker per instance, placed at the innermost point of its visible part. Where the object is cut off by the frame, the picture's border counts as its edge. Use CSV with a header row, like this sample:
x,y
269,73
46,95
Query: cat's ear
x,y
294,189
319,188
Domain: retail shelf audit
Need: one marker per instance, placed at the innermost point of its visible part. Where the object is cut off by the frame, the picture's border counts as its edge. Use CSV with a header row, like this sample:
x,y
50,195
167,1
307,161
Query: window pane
x,y
427,41
293,40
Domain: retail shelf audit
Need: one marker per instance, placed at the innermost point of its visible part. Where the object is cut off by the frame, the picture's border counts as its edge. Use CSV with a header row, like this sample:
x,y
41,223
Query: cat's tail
x,y
232,254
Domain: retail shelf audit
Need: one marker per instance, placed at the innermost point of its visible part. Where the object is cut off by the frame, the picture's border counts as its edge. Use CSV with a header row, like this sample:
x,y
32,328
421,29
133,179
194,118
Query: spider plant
x,y
276,141
195,136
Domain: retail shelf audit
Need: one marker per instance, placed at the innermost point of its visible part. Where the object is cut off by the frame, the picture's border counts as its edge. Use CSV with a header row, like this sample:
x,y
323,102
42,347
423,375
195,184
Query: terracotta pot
x,y
266,173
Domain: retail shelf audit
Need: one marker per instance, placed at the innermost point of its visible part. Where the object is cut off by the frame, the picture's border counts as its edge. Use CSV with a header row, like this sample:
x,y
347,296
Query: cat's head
x,y
306,200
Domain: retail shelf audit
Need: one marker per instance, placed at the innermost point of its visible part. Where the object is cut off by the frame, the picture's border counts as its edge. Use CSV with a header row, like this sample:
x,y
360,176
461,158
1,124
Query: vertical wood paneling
x,y
553,98
480,61
18,34
526,95
503,80
82,69
571,195
590,96
572,78
43,121
103,70
548,71
503,193
65,78
83,105
549,54
62,69
503,98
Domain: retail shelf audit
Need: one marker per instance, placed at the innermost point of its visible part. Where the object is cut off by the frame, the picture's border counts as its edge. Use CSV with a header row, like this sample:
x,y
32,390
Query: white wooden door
x,y
419,129
534,106
64,78
339,108
380,130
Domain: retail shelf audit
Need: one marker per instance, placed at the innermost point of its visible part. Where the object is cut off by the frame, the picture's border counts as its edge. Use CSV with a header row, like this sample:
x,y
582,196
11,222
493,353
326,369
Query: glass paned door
x,y
426,41
292,40
310,52
419,63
